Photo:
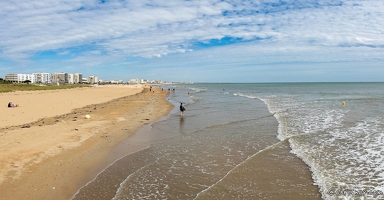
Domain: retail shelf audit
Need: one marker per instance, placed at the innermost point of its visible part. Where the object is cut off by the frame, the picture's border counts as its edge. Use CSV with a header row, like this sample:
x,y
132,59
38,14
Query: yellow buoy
x,y
343,103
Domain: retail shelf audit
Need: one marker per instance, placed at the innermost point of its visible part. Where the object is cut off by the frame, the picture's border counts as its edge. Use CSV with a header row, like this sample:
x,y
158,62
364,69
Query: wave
x,y
346,157
198,89
338,154
101,172
122,184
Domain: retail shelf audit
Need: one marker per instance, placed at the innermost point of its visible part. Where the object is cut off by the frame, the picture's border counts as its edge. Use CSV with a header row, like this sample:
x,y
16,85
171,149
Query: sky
x,y
196,40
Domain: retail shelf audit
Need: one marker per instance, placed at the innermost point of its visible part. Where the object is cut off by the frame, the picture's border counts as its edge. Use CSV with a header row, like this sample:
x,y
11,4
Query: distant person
x,y
12,105
182,109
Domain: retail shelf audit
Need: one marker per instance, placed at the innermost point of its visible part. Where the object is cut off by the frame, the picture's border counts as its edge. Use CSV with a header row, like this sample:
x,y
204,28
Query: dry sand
x,y
48,147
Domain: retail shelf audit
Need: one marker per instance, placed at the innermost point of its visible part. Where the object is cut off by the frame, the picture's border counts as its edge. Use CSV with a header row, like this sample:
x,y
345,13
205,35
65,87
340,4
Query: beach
x,y
225,147
49,149
236,141
255,141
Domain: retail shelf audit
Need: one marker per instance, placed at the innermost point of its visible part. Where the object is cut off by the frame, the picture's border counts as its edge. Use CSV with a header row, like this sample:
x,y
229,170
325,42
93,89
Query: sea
x,y
254,141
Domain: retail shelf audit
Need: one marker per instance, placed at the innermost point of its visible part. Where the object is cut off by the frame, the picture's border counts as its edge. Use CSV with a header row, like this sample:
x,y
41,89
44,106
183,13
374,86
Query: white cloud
x,y
155,28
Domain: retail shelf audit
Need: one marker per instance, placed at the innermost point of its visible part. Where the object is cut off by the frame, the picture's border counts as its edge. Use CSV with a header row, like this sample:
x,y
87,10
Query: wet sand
x,y
48,152
273,173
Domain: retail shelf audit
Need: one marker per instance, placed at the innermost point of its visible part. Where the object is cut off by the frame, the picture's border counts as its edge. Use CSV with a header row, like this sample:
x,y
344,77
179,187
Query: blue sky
x,y
196,40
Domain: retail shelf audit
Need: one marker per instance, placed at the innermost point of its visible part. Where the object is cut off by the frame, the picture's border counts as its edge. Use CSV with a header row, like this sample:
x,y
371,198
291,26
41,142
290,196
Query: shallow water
x,y
235,142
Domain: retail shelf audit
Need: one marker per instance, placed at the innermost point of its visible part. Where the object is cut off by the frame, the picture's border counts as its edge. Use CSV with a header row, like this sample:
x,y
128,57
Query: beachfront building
x,y
44,78
134,81
33,78
70,79
54,78
59,78
103,82
11,77
138,81
77,78
93,80
26,77
84,80
156,82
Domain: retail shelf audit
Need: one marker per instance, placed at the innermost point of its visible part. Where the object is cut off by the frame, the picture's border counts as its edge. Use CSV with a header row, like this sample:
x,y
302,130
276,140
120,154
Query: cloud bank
x,y
94,32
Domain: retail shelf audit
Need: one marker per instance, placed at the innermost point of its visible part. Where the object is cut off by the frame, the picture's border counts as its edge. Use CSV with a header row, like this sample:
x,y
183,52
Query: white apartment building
x,y
44,78
70,79
77,78
34,78
11,77
59,78
156,82
54,78
134,81
137,81
117,82
93,79
84,80
24,77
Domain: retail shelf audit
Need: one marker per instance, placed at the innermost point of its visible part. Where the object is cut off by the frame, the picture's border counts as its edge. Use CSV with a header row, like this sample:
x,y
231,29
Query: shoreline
x,y
63,166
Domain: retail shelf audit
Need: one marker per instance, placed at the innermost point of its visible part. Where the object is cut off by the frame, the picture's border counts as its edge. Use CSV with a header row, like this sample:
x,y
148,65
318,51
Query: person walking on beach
x,y
182,109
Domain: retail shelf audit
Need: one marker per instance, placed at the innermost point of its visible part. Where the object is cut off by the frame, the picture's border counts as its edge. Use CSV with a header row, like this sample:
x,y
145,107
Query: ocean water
x,y
256,141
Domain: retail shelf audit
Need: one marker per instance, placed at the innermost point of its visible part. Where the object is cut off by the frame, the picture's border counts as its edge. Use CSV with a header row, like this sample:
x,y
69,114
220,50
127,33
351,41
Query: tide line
x,y
230,171
78,191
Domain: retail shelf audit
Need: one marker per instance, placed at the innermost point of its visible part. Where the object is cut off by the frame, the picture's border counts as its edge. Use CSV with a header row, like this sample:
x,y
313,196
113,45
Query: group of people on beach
x,y
182,108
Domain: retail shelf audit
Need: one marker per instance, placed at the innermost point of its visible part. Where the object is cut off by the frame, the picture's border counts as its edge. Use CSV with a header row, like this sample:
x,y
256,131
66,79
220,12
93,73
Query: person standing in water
x,y
182,109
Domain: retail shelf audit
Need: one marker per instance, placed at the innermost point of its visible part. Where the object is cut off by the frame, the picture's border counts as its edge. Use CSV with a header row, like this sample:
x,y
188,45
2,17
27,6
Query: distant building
x,y
11,77
138,81
71,79
45,78
134,81
59,78
54,78
26,77
156,82
93,80
84,80
33,78
77,78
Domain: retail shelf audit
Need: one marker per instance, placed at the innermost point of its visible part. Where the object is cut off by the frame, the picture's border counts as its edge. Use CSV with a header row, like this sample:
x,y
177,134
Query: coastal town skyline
x,y
74,78
196,41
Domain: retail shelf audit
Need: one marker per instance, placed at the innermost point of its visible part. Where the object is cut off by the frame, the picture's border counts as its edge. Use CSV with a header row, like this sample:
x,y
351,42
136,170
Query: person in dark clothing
x,y
11,105
182,109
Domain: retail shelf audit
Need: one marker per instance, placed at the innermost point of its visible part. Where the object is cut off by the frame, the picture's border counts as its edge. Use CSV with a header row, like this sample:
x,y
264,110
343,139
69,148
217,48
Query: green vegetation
x,y
6,86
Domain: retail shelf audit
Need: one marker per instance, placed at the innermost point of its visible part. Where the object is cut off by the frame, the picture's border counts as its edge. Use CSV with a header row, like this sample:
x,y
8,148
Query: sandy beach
x,y
48,147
